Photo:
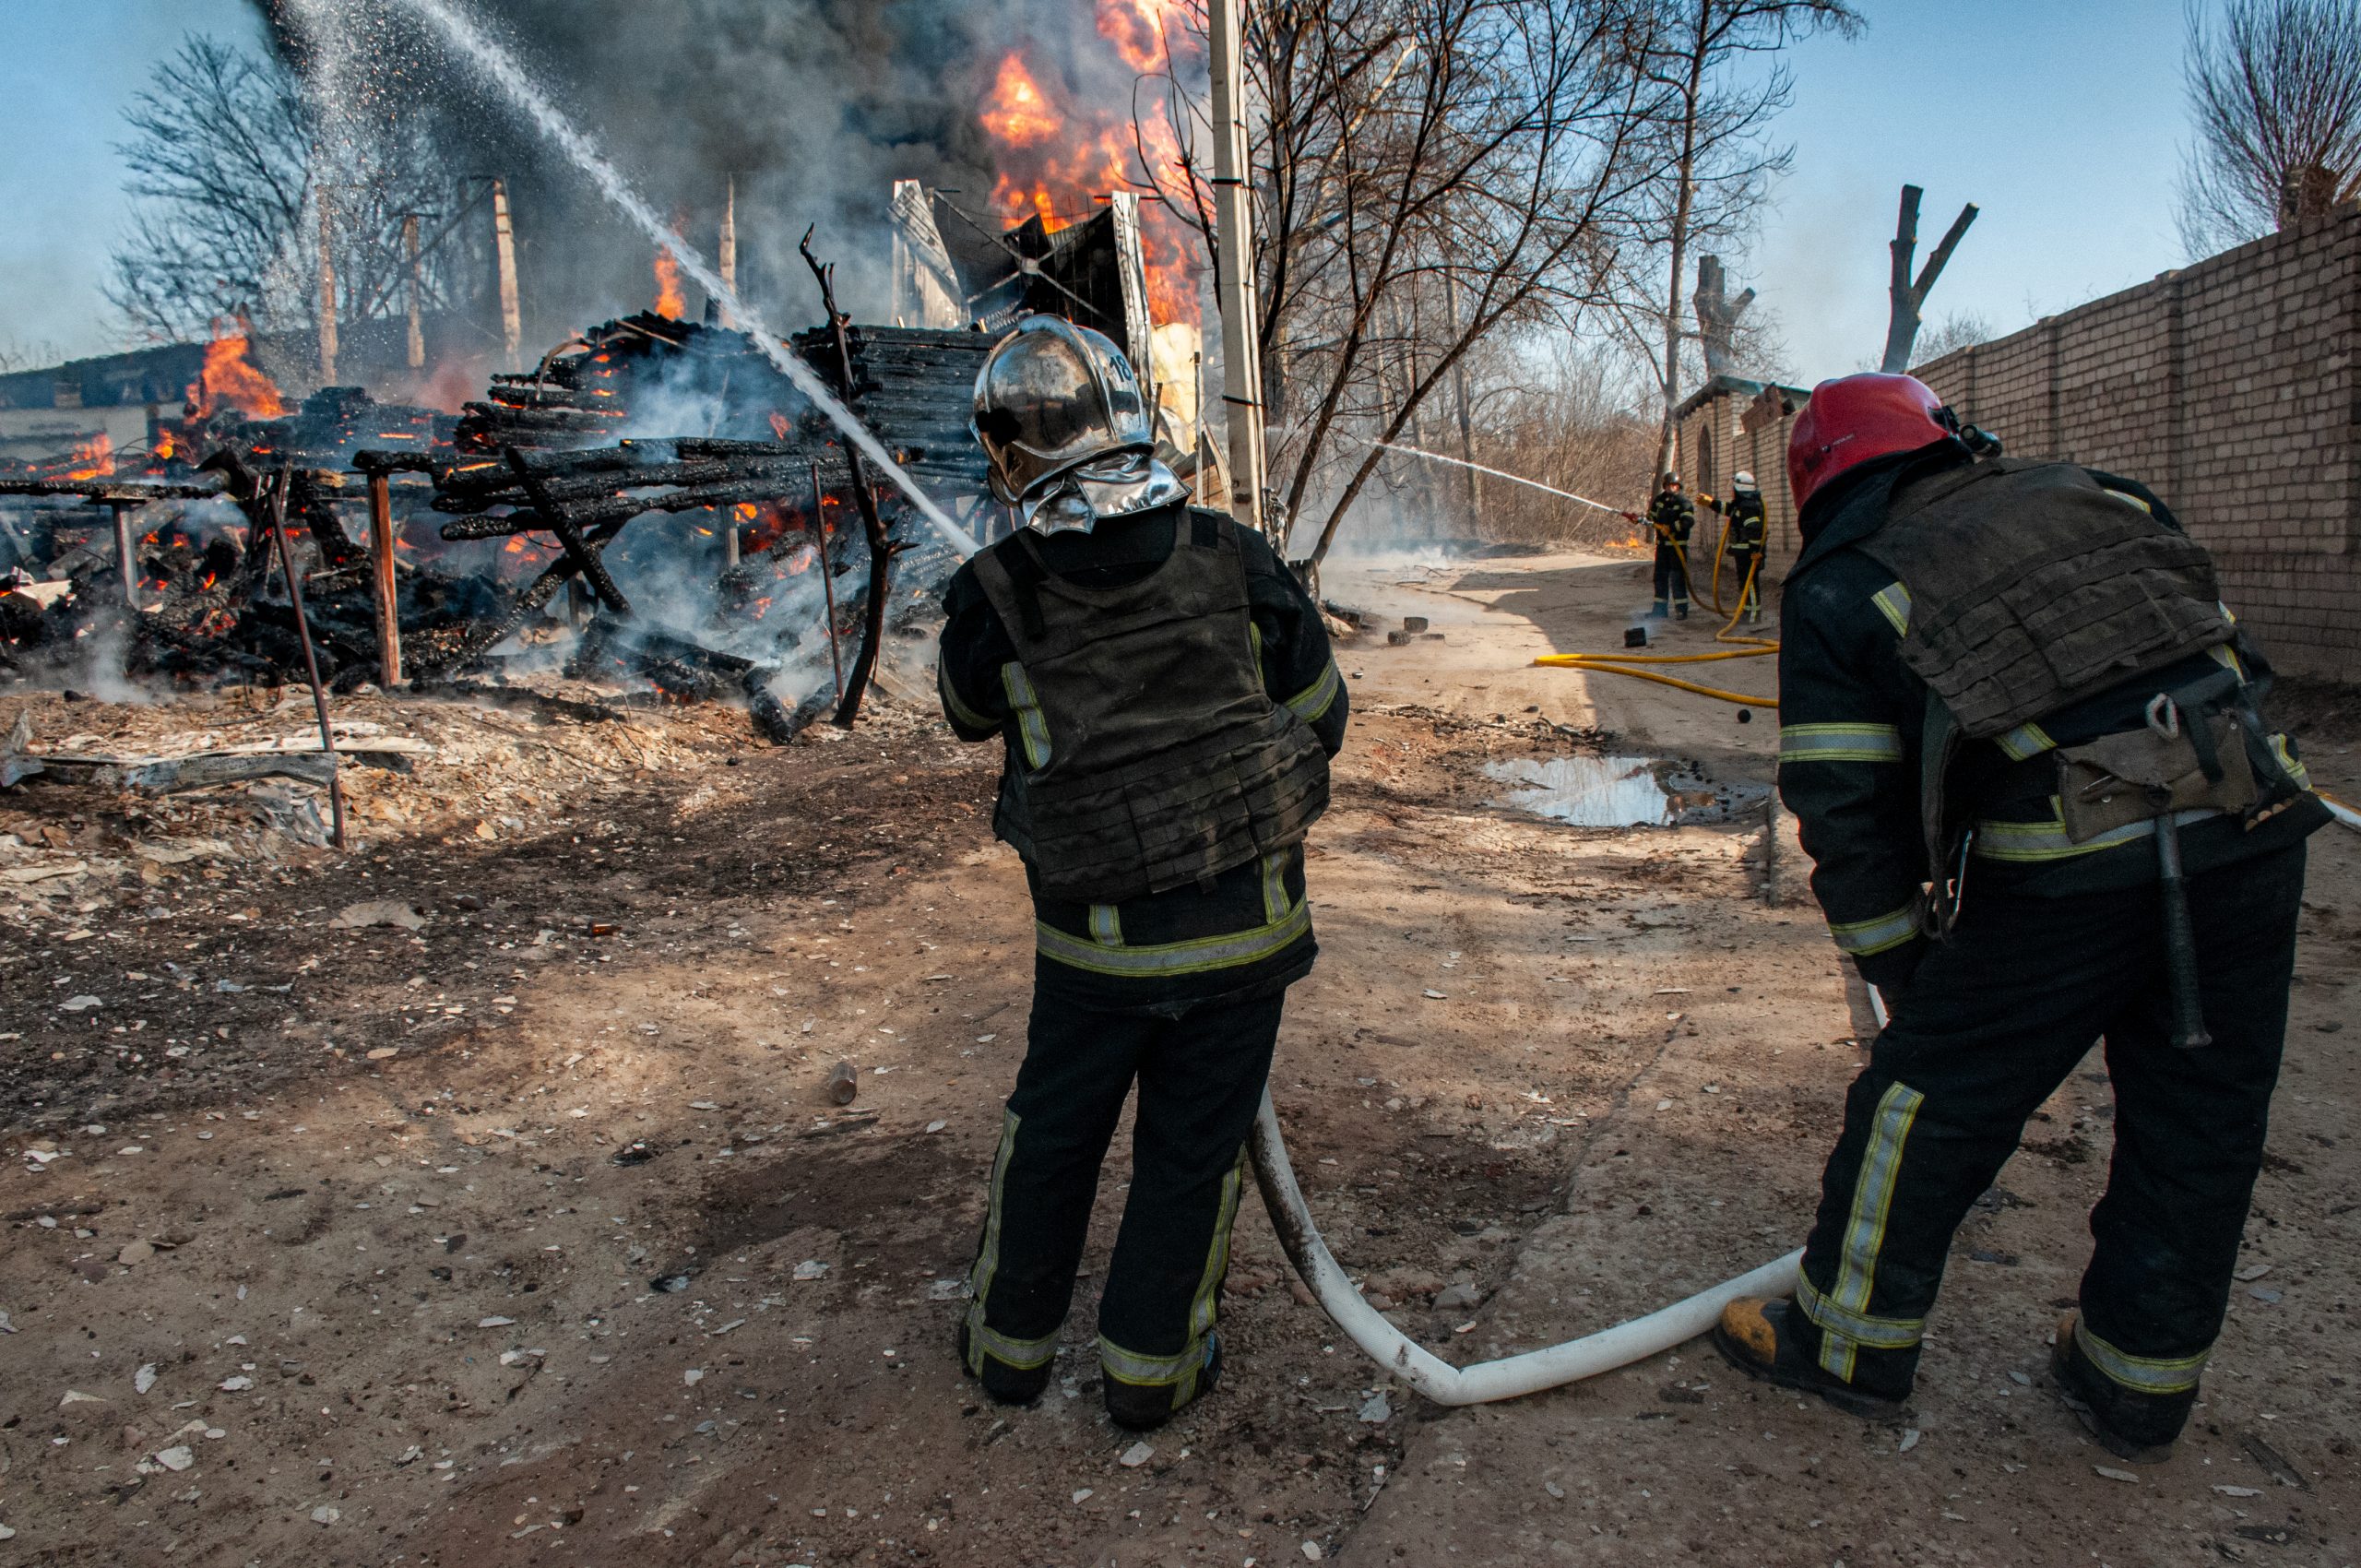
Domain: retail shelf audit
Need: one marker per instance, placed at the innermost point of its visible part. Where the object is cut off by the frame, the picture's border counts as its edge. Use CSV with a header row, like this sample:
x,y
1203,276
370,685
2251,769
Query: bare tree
x,y
1560,413
2274,88
1961,329
1907,296
228,167
1718,315
1711,104
1426,173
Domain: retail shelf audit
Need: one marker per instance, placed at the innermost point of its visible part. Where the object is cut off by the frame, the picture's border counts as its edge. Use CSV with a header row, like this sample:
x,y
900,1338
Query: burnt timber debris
x,y
172,564
652,503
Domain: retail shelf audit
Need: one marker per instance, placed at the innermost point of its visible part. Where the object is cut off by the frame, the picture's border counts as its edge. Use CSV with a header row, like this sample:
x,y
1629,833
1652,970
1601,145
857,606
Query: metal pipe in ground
x,y
126,558
277,513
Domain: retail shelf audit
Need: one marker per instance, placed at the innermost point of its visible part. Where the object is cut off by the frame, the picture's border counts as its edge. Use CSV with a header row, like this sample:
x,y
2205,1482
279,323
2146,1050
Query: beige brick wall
x,y
1715,445
2232,388
2229,389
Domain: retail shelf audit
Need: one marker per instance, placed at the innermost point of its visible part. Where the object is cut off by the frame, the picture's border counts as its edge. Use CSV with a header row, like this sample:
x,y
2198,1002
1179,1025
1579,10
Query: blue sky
x,y
67,67
2063,119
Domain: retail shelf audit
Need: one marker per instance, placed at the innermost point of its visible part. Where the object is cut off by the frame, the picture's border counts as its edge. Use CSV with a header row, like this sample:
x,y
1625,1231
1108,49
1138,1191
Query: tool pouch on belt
x,y
2137,775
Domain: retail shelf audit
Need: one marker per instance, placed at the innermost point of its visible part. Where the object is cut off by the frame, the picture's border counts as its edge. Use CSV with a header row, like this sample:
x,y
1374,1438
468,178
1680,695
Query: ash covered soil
x,y
531,1235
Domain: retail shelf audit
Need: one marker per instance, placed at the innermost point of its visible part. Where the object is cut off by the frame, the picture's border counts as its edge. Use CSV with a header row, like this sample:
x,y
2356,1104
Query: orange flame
x,y
1062,184
229,380
165,446
93,459
780,426
1018,114
1137,29
669,301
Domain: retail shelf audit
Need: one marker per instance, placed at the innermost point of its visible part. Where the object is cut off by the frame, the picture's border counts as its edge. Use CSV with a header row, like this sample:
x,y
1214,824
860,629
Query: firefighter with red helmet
x,y
1163,687
2022,739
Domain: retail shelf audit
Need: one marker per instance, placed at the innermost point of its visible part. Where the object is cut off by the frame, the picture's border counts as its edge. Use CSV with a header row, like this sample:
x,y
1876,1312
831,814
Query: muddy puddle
x,y
1622,792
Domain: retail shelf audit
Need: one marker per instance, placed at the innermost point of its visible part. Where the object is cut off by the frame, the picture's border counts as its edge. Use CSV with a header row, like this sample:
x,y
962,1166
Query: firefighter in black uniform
x,y
1164,688
1742,536
2022,737
1671,518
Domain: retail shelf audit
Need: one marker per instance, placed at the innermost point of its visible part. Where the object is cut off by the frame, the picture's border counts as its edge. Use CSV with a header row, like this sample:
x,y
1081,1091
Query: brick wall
x,y
2228,387
2232,388
1728,431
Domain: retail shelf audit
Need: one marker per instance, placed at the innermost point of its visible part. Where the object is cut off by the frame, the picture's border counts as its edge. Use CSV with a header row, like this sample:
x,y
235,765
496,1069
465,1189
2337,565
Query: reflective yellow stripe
x,y
1862,938
2287,760
1894,602
1021,1354
2144,1374
1318,697
1029,723
2026,740
1203,1308
954,706
1275,885
1839,743
2227,656
1196,956
1878,1333
1016,1352
1106,925
1130,1366
2125,496
2031,842
1857,1267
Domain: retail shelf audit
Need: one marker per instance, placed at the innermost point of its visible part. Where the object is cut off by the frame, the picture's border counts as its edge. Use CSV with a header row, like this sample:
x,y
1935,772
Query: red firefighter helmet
x,y
1856,418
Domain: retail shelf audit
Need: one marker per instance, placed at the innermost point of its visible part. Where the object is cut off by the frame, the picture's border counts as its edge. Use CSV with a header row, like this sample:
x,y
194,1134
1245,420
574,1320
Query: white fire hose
x,y
1504,1379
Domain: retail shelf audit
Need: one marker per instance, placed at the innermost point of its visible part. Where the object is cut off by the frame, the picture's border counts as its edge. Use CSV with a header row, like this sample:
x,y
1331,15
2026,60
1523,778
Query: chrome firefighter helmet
x,y
1065,429
1742,481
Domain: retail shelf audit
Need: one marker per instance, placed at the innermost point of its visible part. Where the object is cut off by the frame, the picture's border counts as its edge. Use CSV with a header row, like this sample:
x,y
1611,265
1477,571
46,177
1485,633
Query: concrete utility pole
x,y
416,308
727,253
327,286
1242,354
503,252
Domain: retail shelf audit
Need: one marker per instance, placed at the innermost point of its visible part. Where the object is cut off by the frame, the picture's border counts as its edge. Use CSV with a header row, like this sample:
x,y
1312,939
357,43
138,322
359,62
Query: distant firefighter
x,y
1163,689
2023,740
1742,538
1671,518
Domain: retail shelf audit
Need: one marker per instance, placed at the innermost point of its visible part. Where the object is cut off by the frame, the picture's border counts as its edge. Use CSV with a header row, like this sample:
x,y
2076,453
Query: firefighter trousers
x,y
1672,576
1994,1021
1200,1078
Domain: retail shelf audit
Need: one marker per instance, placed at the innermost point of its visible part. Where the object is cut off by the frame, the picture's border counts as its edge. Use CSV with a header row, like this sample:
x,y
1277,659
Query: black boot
x,y
2128,1424
1771,1341
1004,1384
1143,1407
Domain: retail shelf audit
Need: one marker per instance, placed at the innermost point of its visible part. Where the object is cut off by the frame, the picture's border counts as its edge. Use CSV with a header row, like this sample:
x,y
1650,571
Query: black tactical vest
x,y
2032,588
1148,754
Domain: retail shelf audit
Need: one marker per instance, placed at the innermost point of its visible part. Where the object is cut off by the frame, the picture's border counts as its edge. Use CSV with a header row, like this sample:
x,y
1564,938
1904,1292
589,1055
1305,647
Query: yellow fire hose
x,y
1625,663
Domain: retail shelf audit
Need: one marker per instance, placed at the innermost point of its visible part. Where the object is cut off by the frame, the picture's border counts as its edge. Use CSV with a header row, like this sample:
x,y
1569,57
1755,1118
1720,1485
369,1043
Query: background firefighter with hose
x,y
1165,694
1740,553
1671,518
2022,739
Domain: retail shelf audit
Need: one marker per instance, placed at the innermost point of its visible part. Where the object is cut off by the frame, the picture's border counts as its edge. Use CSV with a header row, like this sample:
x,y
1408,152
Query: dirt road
x,y
500,1242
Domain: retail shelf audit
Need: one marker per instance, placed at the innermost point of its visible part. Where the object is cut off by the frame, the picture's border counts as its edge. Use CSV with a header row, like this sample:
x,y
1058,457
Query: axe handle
x,y
2180,942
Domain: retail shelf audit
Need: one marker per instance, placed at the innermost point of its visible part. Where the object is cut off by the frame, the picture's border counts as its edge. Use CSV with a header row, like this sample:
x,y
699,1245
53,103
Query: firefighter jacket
x,y
1851,720
1235,924
1743,525
1672,516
